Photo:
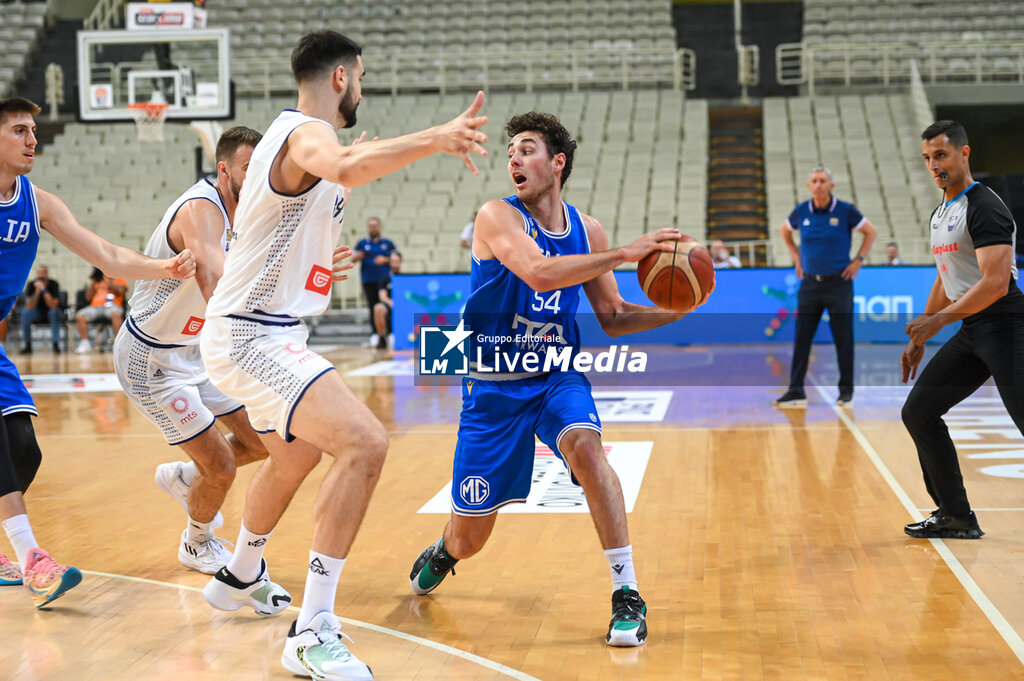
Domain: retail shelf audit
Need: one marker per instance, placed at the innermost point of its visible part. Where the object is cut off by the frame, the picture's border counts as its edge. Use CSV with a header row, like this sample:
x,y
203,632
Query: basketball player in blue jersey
x,y
517,283
24,210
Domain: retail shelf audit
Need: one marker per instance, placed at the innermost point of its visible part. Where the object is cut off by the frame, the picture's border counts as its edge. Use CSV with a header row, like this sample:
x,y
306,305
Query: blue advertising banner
x,y
748,306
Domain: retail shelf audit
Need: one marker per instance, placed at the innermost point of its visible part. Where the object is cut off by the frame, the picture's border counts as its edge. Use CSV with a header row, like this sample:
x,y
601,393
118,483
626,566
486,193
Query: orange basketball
x,y
676,280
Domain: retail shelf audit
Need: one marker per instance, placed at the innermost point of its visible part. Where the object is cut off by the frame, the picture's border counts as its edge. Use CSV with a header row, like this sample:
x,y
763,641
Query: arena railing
x,y
457,71
967,62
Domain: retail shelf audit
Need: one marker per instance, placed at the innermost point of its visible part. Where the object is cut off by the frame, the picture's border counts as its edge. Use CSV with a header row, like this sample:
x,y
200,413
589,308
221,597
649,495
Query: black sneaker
x,y
430,569
937,526
56,348
26,349
628,627
792,398
845,399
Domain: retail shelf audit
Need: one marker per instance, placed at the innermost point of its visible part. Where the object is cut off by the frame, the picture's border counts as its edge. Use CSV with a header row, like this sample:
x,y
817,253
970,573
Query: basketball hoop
x,y
149,120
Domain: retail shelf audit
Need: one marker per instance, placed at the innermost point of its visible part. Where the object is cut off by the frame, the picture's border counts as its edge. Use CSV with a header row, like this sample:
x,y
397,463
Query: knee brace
x,y
23,447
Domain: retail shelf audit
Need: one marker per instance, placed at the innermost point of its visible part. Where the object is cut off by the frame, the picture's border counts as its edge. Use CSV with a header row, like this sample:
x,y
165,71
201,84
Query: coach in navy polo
x,y
373,253
826,274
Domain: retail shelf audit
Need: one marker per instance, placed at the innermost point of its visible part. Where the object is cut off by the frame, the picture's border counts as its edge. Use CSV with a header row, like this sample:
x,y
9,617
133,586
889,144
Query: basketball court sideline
x,y
769,545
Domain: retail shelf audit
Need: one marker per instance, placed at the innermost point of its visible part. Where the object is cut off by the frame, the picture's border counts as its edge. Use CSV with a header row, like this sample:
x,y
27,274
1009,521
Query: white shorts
x,y
263,364
169,386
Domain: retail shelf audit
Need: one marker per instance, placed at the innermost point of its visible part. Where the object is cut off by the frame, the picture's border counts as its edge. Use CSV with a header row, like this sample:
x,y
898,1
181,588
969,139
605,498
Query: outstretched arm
x,y
313,149
499,233
615,314
115,261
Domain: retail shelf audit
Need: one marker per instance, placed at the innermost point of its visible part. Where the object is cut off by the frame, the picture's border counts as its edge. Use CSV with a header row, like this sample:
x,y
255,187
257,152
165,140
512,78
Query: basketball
x,y
676,280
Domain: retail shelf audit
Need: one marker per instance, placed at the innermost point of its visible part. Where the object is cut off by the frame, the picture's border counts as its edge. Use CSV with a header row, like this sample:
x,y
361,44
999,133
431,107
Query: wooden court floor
x,y
768,544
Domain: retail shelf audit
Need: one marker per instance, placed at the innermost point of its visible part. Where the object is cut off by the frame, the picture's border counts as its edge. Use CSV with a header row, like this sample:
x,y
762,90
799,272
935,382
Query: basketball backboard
x,y
188,69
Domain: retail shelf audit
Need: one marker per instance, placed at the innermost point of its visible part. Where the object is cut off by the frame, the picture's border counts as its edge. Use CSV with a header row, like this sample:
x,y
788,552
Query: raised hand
x,y
339,268
461,136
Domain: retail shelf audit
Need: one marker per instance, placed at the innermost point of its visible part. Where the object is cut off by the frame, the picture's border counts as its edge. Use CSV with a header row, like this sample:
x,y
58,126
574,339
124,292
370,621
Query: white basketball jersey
x,y
280,260
172,311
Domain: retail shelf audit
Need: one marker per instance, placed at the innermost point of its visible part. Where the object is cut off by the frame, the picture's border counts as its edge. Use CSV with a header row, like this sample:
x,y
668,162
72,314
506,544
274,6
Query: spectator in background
x,y
373,254
892,254
826,273
722,258
382,310
106,303
466,240
42,299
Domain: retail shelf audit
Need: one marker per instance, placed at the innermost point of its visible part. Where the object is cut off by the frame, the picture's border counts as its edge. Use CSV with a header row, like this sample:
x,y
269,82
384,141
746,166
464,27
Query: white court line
x,y
482,661
1011,637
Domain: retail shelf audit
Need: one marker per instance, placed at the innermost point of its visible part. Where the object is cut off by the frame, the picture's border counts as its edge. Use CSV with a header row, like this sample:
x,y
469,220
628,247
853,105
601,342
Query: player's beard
x,y
347,107
235,188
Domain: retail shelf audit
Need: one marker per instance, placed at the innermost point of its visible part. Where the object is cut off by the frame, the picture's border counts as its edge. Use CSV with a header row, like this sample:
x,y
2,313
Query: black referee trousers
x,y
990,343
835,294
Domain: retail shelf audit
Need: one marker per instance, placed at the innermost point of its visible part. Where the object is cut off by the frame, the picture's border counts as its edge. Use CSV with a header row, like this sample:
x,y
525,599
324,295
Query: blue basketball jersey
x,y
505,314
19,241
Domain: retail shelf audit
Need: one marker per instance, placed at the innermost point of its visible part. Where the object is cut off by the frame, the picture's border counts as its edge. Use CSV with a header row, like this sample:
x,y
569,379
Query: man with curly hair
x,y
532,254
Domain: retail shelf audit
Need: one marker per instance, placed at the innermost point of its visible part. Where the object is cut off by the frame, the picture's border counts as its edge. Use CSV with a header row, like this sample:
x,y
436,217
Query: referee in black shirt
x,y
973,241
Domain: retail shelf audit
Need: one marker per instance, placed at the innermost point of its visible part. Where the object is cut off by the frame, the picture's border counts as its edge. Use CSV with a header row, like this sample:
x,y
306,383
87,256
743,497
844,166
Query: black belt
x,y
823,277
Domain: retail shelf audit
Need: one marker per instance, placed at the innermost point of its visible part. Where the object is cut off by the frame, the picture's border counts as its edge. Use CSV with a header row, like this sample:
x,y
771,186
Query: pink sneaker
x,y
46,578
10,575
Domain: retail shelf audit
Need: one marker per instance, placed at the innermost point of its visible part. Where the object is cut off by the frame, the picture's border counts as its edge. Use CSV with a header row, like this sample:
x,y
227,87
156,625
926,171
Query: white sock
x,y
247,560
19,532
199,532
620,563
321,585
189,472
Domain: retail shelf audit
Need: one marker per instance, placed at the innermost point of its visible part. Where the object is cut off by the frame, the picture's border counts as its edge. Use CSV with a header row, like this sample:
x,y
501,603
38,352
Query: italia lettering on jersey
x,y
280,261
172,311
506,315
19,241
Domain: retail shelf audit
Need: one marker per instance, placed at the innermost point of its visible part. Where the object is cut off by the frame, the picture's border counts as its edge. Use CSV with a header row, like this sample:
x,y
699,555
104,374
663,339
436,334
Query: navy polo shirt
x,y
825,235
369,271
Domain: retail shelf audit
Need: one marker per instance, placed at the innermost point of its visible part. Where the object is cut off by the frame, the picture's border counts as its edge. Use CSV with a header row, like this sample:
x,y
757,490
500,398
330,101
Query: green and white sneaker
x,y
629,619
226,592
318,652
430,569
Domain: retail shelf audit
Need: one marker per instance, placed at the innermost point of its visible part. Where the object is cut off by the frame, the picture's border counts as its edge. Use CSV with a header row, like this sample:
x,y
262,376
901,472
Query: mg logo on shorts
x,y
319,280
474,490
193,326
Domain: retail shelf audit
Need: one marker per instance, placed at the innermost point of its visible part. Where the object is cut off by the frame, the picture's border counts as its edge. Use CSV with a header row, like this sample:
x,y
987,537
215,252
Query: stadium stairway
x,y
736,199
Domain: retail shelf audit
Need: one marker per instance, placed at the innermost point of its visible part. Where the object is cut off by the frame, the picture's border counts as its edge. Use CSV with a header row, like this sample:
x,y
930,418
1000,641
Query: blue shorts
x,y
495,452
14,395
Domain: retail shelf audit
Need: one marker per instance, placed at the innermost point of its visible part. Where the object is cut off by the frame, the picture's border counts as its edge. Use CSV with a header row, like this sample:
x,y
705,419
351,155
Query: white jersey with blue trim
x,y
172,311
19,241
279,265
506,315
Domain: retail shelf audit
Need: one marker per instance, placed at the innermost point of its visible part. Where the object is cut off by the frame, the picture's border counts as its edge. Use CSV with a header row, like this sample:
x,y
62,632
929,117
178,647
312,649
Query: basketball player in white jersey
x,y
254,344
156,356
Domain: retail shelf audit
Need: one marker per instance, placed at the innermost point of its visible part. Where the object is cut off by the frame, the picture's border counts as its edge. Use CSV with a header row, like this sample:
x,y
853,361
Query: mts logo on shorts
x,y
319,280
193,326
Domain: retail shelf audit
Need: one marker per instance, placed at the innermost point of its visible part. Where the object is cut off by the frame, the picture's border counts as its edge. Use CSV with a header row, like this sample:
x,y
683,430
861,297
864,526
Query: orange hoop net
x,y
149,120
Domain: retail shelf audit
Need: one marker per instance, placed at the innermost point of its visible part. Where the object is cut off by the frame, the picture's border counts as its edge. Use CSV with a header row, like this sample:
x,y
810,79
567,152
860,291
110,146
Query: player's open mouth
x,y
519,179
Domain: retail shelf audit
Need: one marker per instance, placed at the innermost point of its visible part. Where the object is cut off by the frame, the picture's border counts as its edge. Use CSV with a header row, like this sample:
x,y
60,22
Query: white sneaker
x,y
225,592
391,341
84,346
206,556
169,478
374,341
318,652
